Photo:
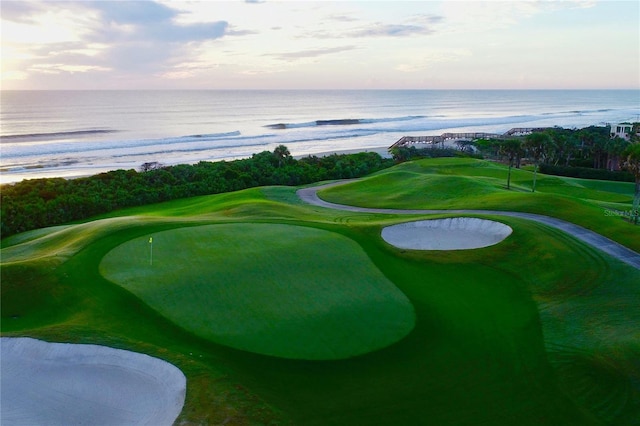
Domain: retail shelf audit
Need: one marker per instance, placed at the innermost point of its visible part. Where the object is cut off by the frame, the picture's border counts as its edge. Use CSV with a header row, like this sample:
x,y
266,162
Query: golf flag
x,y
150,250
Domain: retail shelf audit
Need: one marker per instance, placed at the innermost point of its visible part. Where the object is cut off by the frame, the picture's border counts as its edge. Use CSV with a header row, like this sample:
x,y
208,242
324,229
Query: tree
x,y
564,145
512,149
632,163
614,149
598,152
634,136
490,147
152,165
465,145
537,144
282,154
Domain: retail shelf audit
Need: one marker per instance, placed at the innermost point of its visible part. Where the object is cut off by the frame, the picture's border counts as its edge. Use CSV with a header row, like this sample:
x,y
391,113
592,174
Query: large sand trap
x,y
66,384
457,233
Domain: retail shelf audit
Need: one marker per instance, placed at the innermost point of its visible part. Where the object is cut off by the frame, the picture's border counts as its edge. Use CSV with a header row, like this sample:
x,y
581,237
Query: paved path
x,y
594,239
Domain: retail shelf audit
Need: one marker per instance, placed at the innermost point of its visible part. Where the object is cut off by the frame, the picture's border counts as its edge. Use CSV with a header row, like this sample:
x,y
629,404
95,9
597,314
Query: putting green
x,y
282,290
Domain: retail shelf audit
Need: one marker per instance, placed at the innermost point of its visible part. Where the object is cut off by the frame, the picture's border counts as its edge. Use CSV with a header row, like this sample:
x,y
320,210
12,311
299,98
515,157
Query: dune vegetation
x,y
538,329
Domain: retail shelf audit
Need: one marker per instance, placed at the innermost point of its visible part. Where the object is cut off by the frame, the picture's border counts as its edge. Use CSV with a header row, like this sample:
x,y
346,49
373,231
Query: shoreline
x,y
53,135
71,172
383,151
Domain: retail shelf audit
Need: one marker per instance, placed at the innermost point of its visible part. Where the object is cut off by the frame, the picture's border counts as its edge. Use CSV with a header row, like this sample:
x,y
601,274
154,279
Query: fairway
x,y
281,312
445,183
281,290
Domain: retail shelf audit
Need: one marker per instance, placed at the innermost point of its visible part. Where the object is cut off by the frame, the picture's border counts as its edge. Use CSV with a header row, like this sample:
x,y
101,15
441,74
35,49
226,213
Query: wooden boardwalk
x,y
433,140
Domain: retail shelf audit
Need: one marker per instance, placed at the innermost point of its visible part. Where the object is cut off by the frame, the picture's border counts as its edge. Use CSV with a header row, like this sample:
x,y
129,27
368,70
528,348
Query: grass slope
x,y
477,184
281,290
539,329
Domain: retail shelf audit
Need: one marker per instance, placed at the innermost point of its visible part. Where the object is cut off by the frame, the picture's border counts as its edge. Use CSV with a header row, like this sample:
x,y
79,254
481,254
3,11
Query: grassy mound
x,y
417,189
476,184
539,329
281,290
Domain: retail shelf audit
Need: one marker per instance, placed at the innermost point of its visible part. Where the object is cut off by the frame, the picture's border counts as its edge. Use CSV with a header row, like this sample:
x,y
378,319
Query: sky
x,y
257,44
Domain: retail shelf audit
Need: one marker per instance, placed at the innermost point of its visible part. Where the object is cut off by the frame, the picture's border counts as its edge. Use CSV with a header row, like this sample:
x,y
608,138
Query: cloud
x,y
19,11
149,21
415,26
391,30
231,31
144,36
57,68
123,36
133,12
341,18
312,53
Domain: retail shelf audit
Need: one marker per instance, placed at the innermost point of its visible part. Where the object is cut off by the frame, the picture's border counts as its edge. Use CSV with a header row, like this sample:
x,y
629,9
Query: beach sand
x,y
382,150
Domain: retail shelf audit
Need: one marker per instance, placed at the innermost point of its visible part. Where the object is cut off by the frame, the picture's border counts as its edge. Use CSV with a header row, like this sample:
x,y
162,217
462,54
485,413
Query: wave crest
x,y
55,135
341,122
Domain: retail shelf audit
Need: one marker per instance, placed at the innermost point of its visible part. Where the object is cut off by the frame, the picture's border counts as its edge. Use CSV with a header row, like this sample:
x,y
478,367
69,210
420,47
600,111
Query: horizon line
x,y
318,89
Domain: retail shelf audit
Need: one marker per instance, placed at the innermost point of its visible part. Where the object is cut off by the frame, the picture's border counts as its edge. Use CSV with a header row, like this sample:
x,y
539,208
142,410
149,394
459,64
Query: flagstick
x,y
150,251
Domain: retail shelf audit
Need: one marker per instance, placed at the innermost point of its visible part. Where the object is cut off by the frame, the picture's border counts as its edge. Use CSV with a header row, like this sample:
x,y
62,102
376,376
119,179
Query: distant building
x,y
622,130
407,141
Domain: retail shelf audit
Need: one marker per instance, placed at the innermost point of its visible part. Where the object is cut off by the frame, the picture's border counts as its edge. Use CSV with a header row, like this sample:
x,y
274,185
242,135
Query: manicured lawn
x,y
476,184
281,290
539,329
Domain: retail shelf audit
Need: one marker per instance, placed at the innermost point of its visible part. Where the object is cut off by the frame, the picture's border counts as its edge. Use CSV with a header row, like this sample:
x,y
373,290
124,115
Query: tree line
x,y
38,203
567,152
587,147
589,153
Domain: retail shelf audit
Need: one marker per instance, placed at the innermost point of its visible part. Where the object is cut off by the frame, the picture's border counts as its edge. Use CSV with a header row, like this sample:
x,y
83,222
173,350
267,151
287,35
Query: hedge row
x,y
586,173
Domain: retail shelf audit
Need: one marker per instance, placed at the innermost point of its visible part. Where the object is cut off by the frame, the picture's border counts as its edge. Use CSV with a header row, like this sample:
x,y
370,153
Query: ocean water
x,y
76,133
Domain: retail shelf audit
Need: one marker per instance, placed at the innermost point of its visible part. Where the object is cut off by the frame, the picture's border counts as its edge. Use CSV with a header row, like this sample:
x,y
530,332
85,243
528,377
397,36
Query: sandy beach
x,y
382,150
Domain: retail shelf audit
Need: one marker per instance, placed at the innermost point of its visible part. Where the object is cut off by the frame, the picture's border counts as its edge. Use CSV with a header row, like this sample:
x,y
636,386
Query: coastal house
x,y
621,130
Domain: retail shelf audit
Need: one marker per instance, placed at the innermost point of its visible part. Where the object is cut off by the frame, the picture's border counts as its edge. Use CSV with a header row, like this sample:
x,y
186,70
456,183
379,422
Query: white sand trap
x,y
66,384
456,233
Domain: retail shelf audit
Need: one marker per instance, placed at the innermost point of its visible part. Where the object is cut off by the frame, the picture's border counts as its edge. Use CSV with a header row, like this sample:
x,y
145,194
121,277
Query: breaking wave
x,y
55,135
341,122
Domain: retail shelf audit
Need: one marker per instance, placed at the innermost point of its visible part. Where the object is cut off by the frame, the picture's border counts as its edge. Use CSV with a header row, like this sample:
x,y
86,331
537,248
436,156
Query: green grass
x,y
539,329
281,290
477,184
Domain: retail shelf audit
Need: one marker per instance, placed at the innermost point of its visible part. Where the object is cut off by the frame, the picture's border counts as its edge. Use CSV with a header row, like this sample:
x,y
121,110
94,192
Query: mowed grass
x,y
539,329
478,184
478,354
280,290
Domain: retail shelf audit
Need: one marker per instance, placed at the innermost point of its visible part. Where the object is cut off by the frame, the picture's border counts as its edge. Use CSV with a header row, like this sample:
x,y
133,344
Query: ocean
x,y
77,133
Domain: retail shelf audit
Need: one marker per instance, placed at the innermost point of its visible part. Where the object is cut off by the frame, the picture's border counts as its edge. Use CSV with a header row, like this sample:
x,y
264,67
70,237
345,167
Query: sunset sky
x,y
320,45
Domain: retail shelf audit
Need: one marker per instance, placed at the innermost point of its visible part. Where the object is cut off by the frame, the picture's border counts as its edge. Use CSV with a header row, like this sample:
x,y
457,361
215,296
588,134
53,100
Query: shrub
x,y
586,173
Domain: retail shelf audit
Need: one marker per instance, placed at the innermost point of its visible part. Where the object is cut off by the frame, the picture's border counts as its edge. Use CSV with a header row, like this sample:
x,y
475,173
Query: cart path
x,y
310,196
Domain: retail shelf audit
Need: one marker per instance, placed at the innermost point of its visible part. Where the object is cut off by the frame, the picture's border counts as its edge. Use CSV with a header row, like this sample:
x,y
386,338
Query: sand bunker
x,y
457,233
68,384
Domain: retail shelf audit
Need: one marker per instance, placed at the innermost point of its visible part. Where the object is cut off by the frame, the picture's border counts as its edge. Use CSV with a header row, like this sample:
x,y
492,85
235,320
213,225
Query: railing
x,y
432,140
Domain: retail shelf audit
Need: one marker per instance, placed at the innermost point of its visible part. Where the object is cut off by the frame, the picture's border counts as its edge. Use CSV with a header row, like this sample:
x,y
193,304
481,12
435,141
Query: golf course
x,y
282,311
